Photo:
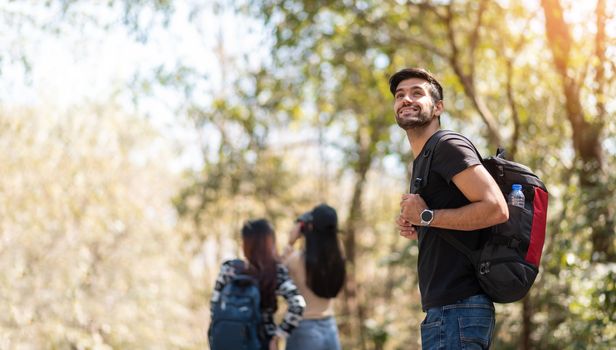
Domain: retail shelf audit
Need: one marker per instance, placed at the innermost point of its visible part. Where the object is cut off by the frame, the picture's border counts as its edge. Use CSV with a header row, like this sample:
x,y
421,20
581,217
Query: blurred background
x,y
137,136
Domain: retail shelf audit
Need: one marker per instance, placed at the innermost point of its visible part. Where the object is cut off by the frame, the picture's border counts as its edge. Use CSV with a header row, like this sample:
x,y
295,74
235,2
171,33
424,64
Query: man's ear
x,y
438,108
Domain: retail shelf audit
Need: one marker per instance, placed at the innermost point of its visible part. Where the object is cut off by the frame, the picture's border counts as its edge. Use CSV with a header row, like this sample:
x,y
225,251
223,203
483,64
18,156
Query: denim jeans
x,y
467,324
265,343
320,334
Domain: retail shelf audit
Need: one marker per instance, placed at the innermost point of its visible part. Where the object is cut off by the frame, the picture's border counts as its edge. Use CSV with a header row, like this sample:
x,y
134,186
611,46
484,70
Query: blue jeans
x,y
467,324
265,343
320,334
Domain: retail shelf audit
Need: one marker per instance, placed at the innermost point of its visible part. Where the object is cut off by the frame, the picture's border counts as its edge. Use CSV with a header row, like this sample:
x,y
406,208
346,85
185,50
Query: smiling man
x,y
460,198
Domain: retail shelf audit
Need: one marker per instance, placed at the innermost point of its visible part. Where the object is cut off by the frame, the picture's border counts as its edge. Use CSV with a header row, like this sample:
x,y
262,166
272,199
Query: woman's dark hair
x,y
258,241
325,267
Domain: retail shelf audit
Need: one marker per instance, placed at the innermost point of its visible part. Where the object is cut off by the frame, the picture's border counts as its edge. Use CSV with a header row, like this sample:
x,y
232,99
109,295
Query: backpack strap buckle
x,y
500,152
417,185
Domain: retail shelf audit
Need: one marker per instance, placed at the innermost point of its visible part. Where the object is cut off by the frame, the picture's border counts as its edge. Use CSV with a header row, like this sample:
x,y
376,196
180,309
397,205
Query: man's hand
x,y
406,228
411,207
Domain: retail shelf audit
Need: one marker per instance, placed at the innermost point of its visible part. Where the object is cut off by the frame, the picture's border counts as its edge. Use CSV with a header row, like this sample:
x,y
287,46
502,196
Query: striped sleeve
x,y
295,301
224,276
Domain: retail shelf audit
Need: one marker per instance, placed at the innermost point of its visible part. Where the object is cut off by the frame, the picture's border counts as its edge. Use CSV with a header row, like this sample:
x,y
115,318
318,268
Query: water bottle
x,y
516,197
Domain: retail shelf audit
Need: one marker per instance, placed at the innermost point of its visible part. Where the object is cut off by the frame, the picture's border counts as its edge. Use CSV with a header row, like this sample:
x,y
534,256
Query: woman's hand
x,y
296,233
273,345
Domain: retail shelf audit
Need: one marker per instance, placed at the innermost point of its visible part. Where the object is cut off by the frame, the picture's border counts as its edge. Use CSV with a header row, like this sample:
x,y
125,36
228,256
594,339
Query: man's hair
x,y
436,90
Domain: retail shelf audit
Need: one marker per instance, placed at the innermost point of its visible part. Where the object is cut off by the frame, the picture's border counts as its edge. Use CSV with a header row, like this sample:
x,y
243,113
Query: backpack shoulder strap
x,y
455,134
242,275
239,266
421,180
421,173
449,238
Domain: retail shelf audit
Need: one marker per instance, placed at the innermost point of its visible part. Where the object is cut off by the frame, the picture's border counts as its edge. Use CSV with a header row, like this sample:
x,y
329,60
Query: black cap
x,y
324,218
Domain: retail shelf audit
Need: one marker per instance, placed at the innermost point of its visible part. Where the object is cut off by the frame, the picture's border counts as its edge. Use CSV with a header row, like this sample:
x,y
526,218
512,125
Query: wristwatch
x,y
426,217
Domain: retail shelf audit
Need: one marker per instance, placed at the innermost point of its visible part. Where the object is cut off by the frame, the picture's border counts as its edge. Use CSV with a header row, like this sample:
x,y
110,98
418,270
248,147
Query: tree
x,y
485,61
587,126
89,254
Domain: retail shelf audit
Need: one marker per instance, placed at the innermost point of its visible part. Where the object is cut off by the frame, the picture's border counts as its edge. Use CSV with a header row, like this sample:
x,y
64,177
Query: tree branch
x,y
514,111
468,82
426,45
474,39
509,61
600,49
430,7
450,34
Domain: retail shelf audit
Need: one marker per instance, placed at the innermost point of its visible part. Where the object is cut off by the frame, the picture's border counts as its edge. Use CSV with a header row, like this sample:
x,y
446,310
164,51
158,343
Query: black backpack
x,y
236,316
508,262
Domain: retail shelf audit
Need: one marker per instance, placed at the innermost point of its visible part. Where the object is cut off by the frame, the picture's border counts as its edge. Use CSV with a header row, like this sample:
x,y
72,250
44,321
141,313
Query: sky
x,y
87,62
83,56
73,59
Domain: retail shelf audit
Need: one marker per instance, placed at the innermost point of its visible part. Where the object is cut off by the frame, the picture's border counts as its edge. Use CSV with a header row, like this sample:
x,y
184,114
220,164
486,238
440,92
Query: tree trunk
x,y
527,314
586,131
469,90
467,78
352,309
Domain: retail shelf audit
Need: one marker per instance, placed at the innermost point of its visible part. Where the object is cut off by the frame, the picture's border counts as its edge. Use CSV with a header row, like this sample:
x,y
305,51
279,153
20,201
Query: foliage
x,y
103,247
343,52
88,252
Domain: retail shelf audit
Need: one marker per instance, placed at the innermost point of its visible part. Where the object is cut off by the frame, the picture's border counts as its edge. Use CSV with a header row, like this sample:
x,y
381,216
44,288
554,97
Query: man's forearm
x,y
470,217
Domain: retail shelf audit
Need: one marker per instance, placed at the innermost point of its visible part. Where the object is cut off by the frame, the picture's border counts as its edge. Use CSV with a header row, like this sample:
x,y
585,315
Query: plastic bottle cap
x,y
516,187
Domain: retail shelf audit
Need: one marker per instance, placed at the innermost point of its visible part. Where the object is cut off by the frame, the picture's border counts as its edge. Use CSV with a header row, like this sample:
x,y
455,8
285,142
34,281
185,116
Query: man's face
x,y
413,105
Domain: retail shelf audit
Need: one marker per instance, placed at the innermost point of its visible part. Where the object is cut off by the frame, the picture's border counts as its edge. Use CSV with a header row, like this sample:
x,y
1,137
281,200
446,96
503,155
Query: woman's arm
x,y
295,234
224,276
295,301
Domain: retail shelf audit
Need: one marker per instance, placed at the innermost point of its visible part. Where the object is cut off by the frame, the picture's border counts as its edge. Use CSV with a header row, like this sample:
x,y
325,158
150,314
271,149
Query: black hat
x,y
324,218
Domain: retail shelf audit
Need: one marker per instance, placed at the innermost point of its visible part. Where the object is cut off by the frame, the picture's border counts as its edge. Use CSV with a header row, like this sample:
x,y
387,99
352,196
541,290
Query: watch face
x,y
426,215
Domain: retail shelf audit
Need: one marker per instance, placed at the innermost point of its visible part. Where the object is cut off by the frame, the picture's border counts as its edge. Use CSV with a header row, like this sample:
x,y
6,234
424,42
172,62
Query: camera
x,y
306,220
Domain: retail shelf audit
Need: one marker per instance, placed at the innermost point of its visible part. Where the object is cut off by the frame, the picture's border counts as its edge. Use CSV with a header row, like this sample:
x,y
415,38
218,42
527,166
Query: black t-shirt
x,y
445,274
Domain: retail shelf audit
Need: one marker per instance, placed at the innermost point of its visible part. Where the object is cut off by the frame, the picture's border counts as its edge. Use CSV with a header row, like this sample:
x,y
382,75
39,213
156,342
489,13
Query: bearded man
x,y
460,198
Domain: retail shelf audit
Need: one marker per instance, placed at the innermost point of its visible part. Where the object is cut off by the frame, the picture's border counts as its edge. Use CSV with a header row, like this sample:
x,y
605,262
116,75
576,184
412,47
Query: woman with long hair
x,y
319,272
259,246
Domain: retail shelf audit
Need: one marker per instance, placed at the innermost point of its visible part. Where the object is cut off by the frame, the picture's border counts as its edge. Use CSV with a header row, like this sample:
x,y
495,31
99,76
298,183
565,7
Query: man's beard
x,y
424,118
